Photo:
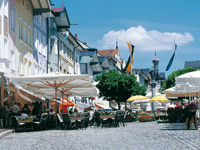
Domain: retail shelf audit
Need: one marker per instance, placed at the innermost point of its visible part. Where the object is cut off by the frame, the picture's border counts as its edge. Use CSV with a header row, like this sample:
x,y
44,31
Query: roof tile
x,y
111,52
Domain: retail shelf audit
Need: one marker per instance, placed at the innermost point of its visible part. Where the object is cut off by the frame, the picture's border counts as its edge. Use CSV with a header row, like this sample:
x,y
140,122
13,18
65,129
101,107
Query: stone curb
x,y
5,133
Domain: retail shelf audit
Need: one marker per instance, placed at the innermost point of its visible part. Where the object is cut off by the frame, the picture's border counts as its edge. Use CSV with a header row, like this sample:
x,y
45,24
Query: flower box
x,y
144,118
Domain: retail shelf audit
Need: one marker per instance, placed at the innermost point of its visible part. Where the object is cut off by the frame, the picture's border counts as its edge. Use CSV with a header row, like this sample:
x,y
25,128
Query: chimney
x,y
85,43
76,36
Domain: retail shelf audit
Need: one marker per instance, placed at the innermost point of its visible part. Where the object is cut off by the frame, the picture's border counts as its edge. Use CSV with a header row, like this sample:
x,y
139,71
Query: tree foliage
x,y
170,82
115,86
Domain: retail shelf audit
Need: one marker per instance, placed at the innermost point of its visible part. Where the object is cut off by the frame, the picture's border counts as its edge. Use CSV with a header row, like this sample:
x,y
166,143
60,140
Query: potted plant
x,y
144,118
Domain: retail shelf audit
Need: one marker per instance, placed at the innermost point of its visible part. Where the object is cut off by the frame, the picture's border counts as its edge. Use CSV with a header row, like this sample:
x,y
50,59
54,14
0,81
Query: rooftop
x,y
111,52
87,53
59,9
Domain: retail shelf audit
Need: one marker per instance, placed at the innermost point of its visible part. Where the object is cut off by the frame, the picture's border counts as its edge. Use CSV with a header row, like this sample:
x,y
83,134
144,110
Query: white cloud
x,y
144,40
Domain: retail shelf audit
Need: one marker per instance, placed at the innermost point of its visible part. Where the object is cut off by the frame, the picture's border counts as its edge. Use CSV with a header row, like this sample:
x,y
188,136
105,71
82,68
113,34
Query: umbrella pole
x,y
56,106
62,101
67,104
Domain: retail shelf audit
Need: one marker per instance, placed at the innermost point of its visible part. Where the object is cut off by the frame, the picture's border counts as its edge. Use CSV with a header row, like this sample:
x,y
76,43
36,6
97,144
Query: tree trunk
x,y
125,106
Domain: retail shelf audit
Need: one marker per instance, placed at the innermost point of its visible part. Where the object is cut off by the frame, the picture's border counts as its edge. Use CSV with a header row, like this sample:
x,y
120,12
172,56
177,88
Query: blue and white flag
x,y
171,59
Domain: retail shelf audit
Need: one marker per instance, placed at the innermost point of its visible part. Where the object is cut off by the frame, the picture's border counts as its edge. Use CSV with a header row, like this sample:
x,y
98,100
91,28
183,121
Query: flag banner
x,y
170,62
131,50
132,47
175,47
129,47
172,58
128,65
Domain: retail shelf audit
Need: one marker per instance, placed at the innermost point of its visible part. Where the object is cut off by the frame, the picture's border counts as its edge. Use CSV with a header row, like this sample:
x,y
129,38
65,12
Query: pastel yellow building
x,y
24,42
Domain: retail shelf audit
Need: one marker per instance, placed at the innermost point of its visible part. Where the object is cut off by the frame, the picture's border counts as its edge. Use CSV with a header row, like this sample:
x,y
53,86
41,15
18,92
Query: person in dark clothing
x,y
70,111
96,118
36,109
26,109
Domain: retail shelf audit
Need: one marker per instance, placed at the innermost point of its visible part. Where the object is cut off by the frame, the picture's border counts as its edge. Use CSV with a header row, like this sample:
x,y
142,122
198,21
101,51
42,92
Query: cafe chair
x,y
79,124
51,121
86,119
97,120
60,119
66,121
119,118
17,126
43,122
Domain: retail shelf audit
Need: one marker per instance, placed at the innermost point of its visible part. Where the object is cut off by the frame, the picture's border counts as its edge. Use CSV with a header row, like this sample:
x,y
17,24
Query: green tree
x,y
170,82
115,86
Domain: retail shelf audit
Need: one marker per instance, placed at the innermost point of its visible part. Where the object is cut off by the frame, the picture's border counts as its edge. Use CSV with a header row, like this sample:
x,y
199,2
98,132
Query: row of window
x,y
40,21
24,32
23,4
24,66
40,42
5,25
39,70
66,53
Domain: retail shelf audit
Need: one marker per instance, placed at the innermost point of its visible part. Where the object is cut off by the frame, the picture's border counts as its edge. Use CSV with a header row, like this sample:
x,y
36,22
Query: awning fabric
x,y
27,96
102,106
44,85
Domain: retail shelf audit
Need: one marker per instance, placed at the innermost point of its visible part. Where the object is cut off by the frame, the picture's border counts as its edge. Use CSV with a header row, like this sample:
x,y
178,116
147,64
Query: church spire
x,y
155,52
116,43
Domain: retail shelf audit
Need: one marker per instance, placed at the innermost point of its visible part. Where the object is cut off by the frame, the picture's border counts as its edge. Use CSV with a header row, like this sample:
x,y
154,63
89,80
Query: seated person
x,y
26,108
24,114
51,112
70,111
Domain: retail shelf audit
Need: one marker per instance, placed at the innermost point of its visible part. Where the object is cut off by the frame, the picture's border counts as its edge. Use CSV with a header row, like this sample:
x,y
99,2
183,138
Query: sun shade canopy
x,y
136,97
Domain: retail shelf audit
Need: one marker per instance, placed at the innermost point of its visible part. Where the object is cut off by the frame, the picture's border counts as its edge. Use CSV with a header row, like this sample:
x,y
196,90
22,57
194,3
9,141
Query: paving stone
x,y
135,136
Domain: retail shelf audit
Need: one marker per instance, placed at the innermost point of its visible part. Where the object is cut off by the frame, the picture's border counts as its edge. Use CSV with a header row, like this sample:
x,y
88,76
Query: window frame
x,y
20,29
25,33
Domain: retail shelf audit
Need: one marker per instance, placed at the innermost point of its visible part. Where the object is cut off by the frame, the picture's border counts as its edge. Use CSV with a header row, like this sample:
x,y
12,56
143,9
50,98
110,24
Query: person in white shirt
x,y
24,114
91,114
15,109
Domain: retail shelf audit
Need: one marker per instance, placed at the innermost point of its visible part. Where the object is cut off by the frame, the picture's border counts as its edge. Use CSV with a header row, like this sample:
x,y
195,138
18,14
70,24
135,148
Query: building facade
x,y
114,53
4,37
39,44
69,50
12,36
24,40
193,64
89,63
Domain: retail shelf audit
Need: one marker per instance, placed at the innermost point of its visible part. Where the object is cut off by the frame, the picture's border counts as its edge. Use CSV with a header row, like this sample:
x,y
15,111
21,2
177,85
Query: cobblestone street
x,y
148,135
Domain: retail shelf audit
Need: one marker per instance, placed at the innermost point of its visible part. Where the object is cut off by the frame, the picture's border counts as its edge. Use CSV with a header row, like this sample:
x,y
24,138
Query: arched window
x,y
20,29
20,64
29,36
25,30
25,66
29,68
13,60
35,38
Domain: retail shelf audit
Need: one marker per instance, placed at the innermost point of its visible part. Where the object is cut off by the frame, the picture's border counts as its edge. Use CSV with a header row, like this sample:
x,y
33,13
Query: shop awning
x,y
102,107
28,96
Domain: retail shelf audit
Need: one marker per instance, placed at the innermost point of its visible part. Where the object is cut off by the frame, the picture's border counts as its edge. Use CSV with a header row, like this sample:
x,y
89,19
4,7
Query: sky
x,y
148,24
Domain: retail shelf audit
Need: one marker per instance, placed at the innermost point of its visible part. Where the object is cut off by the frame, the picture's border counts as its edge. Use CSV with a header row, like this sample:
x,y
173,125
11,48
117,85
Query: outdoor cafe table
x,y
107,116
25,121
76,118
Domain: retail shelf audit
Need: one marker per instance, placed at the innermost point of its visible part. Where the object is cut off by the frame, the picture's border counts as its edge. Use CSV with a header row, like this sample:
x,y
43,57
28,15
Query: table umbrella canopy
x,y
158,99
141,101
44,81
136,97
82,92
54,81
